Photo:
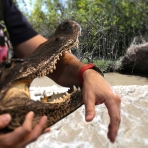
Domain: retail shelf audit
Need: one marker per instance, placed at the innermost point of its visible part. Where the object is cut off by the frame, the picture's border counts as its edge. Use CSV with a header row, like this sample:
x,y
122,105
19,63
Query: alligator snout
x,y
14,93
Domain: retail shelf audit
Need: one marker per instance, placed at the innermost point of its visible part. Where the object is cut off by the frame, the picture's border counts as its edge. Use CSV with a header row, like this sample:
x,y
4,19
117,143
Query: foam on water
x,y
74,132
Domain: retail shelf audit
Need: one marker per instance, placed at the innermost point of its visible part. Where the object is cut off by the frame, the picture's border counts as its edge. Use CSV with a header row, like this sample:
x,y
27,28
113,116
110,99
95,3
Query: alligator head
x,y
16,78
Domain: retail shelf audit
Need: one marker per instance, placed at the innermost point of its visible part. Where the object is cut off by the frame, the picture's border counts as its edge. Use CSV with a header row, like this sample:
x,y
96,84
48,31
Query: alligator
x,y
17,75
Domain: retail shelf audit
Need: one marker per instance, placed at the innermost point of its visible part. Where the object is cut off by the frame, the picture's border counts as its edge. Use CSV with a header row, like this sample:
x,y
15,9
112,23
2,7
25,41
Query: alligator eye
x,y
57,39
66,25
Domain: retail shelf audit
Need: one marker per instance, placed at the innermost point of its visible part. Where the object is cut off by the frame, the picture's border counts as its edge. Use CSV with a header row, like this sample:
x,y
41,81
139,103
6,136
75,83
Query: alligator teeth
x,y
54,67
51,70
55,61
51,67
67,93
79,89
58,58
60,54
52,63
74,88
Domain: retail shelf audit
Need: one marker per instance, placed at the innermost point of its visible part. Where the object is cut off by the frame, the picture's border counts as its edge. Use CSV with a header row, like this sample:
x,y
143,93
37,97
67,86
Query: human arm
x,y
24,134
23,37
27,47
95,90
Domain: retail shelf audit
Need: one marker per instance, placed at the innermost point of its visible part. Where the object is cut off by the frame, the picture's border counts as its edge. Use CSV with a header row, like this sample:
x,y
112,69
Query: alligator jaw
x,y
55,110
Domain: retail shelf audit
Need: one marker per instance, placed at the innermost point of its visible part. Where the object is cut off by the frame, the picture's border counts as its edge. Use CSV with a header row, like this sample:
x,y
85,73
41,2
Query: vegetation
x,y
109,26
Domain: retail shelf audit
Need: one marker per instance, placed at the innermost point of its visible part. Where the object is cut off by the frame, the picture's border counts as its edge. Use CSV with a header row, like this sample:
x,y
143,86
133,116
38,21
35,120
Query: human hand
x,y
24,134
96,91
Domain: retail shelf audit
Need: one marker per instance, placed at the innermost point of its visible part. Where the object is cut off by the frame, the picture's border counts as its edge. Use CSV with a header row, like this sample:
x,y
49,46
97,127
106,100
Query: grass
x,y
104,65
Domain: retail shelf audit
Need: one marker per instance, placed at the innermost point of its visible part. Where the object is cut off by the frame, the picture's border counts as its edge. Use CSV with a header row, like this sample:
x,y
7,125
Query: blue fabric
x,y
18,27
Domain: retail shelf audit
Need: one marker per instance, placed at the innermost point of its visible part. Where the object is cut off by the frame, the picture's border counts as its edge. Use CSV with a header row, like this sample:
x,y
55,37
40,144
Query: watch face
x,y
98,70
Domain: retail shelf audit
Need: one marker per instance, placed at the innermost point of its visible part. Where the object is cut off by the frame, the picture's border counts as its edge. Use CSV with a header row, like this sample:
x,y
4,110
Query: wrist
x,y
82,70
85,68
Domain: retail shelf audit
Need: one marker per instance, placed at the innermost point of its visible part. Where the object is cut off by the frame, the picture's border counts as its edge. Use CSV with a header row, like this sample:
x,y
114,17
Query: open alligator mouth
x,y
14,83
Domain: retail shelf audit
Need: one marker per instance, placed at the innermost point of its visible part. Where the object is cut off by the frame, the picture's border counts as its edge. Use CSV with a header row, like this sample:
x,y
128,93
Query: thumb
x,y
4,120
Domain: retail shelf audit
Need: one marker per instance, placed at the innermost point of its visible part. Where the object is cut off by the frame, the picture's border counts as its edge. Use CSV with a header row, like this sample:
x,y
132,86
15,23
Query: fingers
x,y
90,112
36,132
4,120
18,134
38,129
14,138
24,134
46,130
113,107
89,107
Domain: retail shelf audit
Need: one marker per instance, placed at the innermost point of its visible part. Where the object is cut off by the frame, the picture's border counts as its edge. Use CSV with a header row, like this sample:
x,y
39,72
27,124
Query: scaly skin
x,y
16,78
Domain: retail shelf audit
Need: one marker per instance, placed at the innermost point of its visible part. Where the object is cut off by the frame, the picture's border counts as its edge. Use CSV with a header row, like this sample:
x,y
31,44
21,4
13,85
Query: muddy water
x,y
124,79
74,132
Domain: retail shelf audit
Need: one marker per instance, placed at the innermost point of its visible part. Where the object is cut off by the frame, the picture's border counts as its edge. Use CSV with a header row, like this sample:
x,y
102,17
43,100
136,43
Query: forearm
x,y
66,73
27,47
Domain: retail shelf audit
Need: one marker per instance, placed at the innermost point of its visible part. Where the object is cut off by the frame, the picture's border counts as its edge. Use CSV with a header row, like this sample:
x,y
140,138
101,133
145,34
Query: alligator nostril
x,y
57,39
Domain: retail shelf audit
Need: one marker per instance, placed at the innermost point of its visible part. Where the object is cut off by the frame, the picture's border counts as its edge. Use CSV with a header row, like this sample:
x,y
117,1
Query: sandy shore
x,y
74,132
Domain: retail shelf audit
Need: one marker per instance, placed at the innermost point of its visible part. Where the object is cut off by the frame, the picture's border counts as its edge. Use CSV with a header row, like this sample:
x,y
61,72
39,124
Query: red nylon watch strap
x,y
82,70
